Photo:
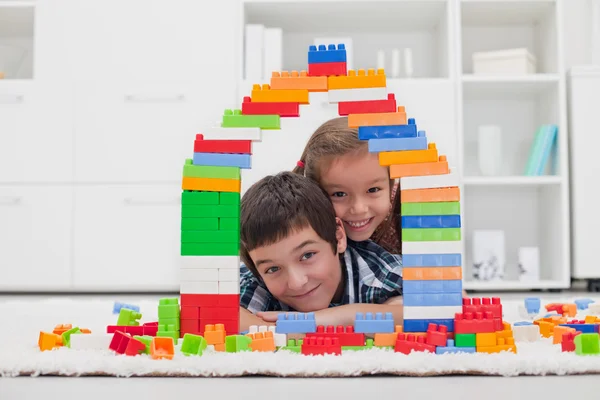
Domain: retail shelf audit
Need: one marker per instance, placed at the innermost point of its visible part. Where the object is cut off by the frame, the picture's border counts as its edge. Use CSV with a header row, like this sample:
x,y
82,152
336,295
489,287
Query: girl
x,y
363,195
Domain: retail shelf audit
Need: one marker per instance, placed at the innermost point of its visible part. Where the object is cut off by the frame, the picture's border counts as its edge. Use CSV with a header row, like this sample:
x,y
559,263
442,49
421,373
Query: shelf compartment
x,y
17,20
512,180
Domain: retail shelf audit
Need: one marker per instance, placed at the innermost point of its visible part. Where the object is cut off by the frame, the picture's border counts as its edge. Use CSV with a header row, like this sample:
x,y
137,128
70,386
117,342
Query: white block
x,y
229,288
200,274
444,312
594,309
199,287
273,51
430,181
253,51
229,275
442,247
218,132
279,338
210,262
526,333
91,341
362,94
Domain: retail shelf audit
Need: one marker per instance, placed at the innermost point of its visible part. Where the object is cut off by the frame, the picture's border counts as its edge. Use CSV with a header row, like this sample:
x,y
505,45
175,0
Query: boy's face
x,y
302,270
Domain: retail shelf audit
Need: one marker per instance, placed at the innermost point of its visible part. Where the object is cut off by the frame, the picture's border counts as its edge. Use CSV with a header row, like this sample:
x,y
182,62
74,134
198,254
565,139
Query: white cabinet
x,y
35,237
127,237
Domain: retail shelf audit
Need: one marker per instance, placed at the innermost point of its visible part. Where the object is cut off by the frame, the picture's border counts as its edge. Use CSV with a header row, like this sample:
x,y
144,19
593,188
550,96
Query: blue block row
x,y
420,325
399,144
432,299
430,221
432,260
223,160
378,323
583,304
296,323
433,287
583,328
450,348
388,131
326,54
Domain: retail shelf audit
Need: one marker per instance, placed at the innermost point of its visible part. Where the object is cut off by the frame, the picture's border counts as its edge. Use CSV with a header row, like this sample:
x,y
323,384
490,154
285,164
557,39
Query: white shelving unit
x,y
17,21
449,102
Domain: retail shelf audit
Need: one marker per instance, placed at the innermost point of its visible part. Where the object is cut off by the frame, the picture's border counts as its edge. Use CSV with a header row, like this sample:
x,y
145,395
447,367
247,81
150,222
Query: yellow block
x,y
388,158
211,184
378,119
264,94
358,79
485,339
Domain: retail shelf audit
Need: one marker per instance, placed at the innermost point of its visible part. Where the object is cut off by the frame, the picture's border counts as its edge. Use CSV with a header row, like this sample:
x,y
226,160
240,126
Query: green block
x,y
430,234
147,340
168,301
441,208
168,333
210,211
587,344
170,311
199,224
193,345
210,249
168,324
229,224
210,236
229,198
237,343
235,119
208,171
464,340
368,345
293,345
189,197
66,336
128,317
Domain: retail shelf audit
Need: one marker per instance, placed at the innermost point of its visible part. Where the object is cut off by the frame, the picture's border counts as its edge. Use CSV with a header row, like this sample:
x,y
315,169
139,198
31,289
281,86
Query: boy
x,y
297,258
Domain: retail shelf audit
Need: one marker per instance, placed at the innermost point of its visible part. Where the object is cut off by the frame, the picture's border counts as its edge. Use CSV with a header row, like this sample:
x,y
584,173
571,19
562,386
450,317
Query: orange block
x,y
570,310
439,167
387,158
502,344
592,319
262,341
432,273
558,333
264,94
61,328
220,347
430,195
546,328
387,339
214,334
358,79
378,119
47,341
211,184
162,347
294,80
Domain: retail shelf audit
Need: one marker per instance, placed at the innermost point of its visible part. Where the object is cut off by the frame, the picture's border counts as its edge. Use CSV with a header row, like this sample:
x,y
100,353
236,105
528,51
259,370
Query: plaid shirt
x,y
372,276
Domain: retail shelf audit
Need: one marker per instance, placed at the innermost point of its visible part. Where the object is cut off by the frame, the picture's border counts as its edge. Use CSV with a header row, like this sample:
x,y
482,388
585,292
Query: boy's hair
x,y
335,139
278,205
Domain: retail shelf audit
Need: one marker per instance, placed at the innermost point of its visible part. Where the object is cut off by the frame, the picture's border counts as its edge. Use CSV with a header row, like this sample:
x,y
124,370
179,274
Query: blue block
x,y
430,221
432,260
365,323
583,328
117,307
223,160
296,323
522,323
399,144
450,348
420,325
326,54
432,299
437,286
532,305
583,304
388,131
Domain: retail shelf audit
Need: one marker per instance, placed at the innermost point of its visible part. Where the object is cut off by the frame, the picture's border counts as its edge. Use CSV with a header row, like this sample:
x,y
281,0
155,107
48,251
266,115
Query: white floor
x,y
295,388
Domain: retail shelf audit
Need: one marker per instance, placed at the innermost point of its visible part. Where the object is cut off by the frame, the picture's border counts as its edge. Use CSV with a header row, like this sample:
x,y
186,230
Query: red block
x,y
483,305
134,347
280,108
119,342
190,312
474,323
368,106
328,69
222,146
150,328
568,341
320,346
212,300
346,337
437,335
406,343
189,326
132,330
219,312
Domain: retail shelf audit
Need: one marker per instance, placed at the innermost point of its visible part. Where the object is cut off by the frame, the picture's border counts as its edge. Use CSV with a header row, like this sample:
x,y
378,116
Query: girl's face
x,y
359,189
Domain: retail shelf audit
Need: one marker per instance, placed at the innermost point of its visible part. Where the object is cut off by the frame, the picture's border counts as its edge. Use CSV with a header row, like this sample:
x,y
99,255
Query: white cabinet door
x,y
35,238
36,132
127,238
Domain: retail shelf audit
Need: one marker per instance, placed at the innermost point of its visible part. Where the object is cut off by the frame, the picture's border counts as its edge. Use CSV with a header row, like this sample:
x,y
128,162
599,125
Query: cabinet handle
x,y
9,201
130,201
11,98
176,98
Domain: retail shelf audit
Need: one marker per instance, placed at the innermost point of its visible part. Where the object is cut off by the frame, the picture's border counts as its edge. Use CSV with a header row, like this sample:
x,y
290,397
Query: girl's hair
x,y
335,139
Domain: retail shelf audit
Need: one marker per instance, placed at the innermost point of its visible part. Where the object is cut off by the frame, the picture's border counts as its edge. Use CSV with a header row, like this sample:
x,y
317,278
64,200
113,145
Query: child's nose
x,y
296,280
359,207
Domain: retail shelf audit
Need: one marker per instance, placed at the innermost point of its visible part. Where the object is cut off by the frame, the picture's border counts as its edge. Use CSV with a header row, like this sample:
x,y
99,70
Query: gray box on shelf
x,y
504,62
529,264
489,257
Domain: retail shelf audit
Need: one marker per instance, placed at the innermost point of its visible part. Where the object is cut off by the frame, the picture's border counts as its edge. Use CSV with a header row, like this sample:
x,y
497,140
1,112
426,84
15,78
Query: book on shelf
x,y
543,145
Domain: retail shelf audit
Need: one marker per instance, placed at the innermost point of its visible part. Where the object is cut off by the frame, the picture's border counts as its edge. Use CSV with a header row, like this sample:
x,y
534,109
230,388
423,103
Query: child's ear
x,y
340,235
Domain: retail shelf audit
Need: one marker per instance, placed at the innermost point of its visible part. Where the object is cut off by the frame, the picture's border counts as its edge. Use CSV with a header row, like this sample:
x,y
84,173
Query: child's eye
x,y
339,194
308,255
374,190
271,270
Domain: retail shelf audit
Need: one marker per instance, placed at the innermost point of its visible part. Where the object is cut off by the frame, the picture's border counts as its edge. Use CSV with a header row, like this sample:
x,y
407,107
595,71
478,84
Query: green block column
x,y
168,318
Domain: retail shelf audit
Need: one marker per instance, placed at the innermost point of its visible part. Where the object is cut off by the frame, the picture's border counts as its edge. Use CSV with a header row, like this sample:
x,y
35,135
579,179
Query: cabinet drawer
x,y
35,238
127,238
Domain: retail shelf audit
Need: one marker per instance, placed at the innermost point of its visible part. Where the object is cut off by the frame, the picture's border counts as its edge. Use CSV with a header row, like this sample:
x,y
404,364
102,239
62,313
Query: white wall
x,y
577,32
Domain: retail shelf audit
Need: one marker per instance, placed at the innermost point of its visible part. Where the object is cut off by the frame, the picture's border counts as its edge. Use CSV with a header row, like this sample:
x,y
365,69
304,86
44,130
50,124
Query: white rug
x,y
22,320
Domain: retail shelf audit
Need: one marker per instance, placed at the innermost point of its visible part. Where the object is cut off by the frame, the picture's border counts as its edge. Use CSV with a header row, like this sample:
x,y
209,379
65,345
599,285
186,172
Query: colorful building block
x,y
420,325
437,335
315,345
370,106
431,299
296,323
346,336
299,80
202,145
398,144
162,348
211,184
425,168
234,133
327,69
223,160
447,180
407,343
478,323
378,119
206,171
430,221
363,94
326,54
430,195
118,305
451,348
378,323
438,208
432,260
429,155
388,131
358,79
262,341
283,109
432,287
431,313
235,119
264,94
129,317
432,274
432,247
